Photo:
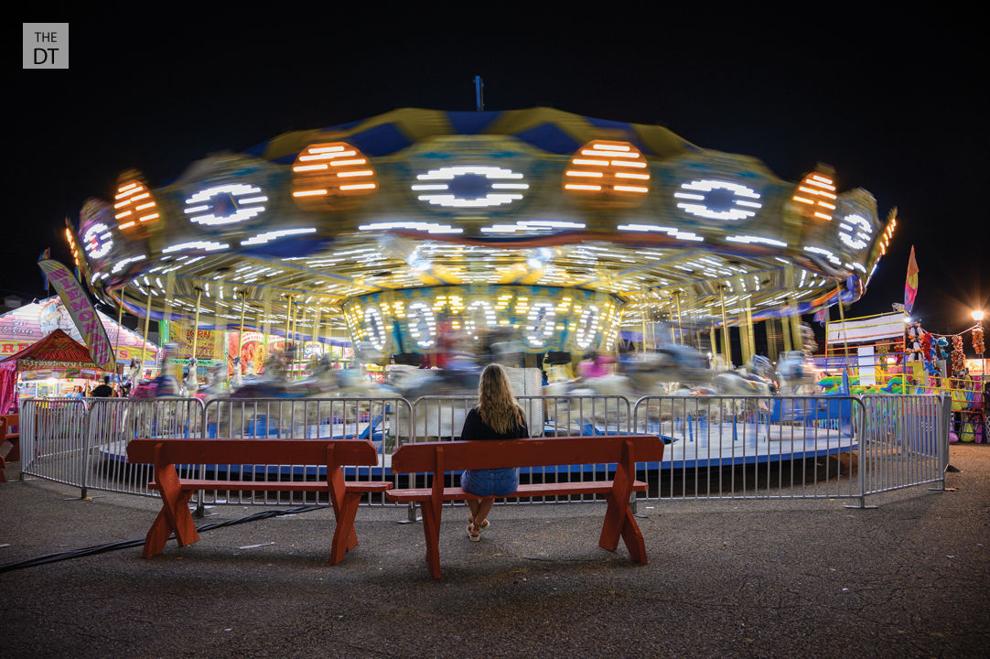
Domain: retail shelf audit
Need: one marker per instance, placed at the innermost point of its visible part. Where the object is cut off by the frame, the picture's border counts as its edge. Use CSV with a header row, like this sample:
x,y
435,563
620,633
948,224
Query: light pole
x,y
978,315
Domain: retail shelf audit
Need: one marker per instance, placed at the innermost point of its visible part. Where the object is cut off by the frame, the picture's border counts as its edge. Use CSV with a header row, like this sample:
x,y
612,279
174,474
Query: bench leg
x,y
633,538
621,523
3,465
174,516
344,535
431,530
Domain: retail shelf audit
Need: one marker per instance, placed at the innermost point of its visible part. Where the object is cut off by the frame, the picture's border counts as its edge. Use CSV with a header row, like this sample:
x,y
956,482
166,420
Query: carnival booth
x,y
30,323
56,358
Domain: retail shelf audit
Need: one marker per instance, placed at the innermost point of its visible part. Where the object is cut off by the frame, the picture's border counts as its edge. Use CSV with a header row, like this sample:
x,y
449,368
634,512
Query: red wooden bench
x,y
10,438
440,457
175,517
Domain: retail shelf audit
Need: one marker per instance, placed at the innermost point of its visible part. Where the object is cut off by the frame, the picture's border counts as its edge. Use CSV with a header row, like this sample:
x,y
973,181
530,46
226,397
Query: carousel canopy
x,y
390,221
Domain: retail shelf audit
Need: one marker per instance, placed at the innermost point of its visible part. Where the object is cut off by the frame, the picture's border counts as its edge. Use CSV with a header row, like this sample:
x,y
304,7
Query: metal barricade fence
x,y
53,439
113,422
718,447
752,447
907,441
385,421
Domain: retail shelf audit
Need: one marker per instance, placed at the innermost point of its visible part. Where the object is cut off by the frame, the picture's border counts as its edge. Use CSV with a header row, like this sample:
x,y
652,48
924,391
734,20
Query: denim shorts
x,y
490,482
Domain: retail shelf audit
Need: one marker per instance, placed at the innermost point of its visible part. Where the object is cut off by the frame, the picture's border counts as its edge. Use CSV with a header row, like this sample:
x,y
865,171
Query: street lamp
x,y
978,315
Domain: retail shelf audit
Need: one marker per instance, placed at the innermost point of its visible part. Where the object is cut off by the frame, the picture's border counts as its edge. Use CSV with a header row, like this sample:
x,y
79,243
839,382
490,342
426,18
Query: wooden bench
x,y
175,517
10,442
441,457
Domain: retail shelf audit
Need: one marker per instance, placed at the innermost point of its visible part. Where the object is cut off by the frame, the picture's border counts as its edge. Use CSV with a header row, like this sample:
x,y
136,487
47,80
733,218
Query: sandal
x,y
474,534
484,523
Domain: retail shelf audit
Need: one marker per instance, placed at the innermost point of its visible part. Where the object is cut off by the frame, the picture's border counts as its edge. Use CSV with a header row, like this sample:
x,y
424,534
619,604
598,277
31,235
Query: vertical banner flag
x,y
911,283
821,315
81,310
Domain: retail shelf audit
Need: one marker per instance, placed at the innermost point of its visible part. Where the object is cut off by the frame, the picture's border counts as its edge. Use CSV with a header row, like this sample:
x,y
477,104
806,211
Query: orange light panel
x,y
325,176
133,204
816,194
600,170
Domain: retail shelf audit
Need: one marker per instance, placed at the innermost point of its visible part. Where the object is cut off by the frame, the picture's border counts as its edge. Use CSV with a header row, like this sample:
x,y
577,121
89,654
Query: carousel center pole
x,y
747,351
750,332
288,315
785,326
796,329
192,379
240,337
726,346
147,321
680,326
842,319
116,343
642,313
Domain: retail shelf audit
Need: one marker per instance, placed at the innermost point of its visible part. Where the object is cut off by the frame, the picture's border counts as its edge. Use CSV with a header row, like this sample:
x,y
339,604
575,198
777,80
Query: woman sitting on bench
x,y
498,416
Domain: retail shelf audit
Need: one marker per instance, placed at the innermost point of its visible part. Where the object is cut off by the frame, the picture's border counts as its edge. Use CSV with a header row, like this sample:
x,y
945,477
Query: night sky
x,y
897,109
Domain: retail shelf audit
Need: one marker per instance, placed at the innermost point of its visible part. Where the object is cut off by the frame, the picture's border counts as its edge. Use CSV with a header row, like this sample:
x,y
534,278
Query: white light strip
x,y
196,244
120,265
749,240
416,226
670,231
268,236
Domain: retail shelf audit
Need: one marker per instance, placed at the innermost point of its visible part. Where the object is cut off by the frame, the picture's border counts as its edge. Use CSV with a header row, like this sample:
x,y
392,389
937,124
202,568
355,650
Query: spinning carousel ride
x,y
551,228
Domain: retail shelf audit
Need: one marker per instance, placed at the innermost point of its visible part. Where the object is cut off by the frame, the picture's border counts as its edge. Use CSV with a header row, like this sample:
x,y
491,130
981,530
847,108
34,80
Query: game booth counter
x,y
218,346
32,322
57,360
894,354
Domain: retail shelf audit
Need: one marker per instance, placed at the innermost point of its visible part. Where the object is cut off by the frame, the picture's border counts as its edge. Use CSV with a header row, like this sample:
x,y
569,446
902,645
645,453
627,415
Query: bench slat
x,y
497,454
275,486
531,490
253,451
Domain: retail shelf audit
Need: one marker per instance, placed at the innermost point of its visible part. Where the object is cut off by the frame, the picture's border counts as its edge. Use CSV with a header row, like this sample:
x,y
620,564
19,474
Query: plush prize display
x,y
978,340
942,348
913,347
958,356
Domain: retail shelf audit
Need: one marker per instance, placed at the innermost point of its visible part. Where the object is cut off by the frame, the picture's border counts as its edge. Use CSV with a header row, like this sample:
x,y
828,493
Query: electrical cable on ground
x,y
126,544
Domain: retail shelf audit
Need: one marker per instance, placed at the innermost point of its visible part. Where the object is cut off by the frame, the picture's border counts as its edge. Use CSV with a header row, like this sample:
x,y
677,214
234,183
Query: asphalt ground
x,y
750,578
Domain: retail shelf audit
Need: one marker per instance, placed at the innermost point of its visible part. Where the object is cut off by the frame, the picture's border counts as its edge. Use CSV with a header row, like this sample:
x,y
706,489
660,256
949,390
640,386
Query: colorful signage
x,y
82,312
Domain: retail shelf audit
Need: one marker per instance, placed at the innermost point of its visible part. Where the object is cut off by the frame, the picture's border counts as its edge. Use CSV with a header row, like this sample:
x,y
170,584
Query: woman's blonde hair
x,y
496,404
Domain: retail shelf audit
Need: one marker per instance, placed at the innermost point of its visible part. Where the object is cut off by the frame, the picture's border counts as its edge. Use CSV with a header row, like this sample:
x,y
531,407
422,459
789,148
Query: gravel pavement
x,y
751,578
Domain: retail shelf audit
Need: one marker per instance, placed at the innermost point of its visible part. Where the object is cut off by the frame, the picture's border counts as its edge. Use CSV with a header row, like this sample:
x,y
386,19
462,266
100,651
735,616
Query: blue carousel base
x,y
690,444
